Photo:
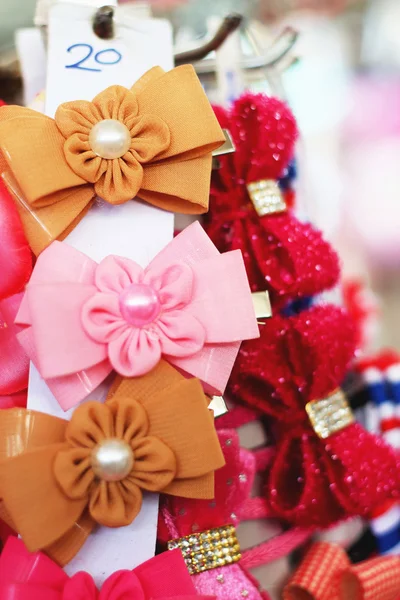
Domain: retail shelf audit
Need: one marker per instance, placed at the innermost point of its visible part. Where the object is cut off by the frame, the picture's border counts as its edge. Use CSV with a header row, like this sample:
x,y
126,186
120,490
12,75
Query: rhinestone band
x,y
329,415
209,549
266,197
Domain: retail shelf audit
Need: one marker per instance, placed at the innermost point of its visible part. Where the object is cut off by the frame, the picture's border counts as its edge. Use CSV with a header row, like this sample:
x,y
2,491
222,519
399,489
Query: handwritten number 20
x,y
100,57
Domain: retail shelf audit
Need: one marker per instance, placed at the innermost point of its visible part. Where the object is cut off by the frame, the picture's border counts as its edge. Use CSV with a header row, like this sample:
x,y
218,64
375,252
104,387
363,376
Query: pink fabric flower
x,y
138,314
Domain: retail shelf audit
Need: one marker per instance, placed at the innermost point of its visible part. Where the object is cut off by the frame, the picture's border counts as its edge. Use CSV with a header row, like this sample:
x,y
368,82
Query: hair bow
x,y
326,465
153,141
36,577
15,254
248,209
59,478
14,363
191,305
200,527
327,574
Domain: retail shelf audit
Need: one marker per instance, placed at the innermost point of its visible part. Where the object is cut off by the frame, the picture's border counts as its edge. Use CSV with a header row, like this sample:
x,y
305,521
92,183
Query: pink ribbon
x,y
34,576
191,305
14,363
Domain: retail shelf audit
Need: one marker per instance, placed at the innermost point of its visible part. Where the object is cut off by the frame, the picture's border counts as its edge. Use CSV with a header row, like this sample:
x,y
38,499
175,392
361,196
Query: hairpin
x,y
15,254
33,575
326,466
14,362
326,573
191,305
248,209
151,141
58,478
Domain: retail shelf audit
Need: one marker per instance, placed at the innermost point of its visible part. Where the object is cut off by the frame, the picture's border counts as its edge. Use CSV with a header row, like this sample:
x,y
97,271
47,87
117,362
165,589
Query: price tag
x,y
80,65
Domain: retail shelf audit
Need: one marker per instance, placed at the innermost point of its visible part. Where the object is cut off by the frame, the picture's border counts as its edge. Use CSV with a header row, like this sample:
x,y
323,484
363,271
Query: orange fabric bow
x,y
166,132
327,574
56,482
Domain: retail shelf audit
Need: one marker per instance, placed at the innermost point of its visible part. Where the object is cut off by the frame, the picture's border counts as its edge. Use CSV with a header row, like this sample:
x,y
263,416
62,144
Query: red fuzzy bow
x,y
287,257
34,576
312,481
182,517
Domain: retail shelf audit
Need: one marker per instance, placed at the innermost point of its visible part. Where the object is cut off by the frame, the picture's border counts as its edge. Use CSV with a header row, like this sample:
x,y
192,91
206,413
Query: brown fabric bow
x,y
59,168
56,486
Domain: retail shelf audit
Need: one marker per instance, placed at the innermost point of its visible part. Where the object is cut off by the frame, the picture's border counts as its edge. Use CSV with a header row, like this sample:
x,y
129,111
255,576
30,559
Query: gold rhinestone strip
x,y
329,415
266,197
209,549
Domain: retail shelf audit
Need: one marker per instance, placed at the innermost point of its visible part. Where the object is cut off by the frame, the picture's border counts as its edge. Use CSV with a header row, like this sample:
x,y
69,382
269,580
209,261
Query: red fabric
x,y
14,363
281,254
33,576
15,254
311,482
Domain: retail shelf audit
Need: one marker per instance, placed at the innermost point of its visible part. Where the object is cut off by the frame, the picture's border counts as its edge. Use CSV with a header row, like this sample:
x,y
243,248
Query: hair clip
x,y
326,466
14,362
15,254
205,533
191,305
151,141
326,573
58,478
249,209
34,575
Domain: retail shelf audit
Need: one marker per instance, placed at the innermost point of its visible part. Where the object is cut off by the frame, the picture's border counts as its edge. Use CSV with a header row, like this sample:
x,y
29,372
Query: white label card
x,y
80,65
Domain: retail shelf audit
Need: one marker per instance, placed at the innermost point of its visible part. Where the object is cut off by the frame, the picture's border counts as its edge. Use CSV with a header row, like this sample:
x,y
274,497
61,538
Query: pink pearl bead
x,y
139,304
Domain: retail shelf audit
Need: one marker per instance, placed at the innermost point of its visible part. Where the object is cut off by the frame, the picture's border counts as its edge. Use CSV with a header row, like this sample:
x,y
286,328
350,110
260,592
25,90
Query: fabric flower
x,y
138,314
140,137
149,463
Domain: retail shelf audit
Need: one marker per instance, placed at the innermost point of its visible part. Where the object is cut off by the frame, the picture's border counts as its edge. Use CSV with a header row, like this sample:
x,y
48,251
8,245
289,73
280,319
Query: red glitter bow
x,y
182,517
326,574
312,481
287,257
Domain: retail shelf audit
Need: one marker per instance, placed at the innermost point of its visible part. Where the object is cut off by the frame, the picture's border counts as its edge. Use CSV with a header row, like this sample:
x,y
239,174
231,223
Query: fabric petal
x,y
115,274
80,587
115,503
73,472
174,284
135,352
82,160
155,465
91,423
77,116
121,181
122,585
101,318
130,419
150,137
180,334
116,102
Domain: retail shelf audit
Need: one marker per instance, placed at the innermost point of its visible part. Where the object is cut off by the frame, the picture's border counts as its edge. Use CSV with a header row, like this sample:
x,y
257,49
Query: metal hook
x,y
103,22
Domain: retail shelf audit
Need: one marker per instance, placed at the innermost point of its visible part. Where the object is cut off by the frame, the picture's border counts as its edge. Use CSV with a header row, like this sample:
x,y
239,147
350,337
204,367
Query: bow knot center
x,y
112,460
139,304
110,139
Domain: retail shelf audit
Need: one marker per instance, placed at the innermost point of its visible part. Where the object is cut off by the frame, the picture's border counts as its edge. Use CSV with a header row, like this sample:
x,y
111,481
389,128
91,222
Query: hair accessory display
x,y
154,433
205,531
327,574
313,479
37,577
152,141
191,305
248,206
15,254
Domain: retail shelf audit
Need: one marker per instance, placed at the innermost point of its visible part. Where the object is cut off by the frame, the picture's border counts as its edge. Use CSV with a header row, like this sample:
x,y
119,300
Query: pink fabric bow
x,y
191,305
181,517
26,576
14,363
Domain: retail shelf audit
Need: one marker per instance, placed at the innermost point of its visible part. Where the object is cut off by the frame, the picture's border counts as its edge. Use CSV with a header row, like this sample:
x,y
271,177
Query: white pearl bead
x,y
110,138
112,460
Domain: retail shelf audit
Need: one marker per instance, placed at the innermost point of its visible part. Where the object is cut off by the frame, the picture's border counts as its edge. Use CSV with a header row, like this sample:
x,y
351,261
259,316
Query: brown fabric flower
x,y
112,503
115,180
